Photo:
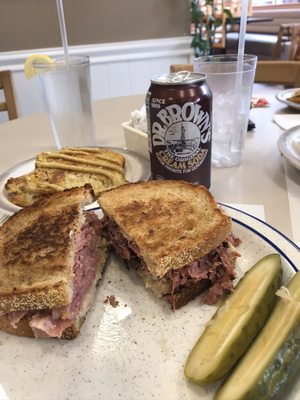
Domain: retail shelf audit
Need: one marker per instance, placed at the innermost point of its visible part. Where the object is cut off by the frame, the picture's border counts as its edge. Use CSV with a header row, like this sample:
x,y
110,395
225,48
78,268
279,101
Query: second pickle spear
x,y
236,323
273,360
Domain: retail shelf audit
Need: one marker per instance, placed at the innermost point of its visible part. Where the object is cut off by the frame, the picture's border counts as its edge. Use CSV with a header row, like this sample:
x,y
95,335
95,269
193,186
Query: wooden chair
x,y
235,6
9,104
283,72
277,71
181,67
287,32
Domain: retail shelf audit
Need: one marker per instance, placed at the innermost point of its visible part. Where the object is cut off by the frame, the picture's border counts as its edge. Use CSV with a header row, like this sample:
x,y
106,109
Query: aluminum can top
x,y
178,78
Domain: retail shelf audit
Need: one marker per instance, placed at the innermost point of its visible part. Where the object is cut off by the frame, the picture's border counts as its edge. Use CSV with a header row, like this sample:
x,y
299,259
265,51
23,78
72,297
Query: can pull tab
x,y
181,76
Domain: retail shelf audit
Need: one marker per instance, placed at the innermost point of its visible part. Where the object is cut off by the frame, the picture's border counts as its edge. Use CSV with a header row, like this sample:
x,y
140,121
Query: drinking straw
x,y
242,35
62,26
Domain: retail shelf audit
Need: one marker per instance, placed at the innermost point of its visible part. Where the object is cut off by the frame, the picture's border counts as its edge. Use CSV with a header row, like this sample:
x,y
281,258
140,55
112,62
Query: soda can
x,y
179,107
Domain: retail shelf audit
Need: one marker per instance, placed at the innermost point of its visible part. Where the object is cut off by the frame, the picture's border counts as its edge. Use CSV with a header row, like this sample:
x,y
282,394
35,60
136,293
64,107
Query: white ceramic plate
x,y
136,169
289,146
285,94
136,350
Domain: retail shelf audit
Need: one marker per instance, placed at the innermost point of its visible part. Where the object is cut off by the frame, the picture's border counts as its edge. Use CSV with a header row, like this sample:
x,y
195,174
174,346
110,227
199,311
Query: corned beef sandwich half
x,y
175,236
51,258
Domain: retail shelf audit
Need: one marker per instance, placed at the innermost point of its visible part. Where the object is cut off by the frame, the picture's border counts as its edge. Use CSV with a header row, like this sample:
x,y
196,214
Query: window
x,y
263,3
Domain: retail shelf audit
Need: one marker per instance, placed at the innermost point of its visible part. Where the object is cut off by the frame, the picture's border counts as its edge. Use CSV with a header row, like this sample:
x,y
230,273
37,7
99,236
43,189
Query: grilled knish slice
x,y
170,231
67,168
51,257
295,97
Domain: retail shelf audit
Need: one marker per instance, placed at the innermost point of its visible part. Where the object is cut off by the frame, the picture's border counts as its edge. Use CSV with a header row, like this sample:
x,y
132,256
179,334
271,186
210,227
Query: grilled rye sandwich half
x,y
175,236
51,258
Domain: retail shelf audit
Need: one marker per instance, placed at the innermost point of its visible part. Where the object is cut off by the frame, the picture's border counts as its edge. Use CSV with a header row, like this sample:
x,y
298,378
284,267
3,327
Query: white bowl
x,y
136,140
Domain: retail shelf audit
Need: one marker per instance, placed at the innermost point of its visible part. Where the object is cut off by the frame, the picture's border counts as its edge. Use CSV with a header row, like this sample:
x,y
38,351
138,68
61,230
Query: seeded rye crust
x,y
36,252
101,168
172,222
23,328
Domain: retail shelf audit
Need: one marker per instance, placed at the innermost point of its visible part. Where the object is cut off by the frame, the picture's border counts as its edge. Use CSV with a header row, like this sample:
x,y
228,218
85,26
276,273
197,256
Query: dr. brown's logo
x,y
181,135
183,139
188,121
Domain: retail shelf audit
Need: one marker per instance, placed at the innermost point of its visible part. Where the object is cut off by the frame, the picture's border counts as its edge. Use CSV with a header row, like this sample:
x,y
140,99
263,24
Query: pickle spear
x,y
274,357
236,323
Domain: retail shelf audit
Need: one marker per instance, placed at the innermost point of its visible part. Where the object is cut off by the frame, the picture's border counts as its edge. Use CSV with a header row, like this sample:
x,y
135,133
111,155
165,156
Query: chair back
x,y
181,67
9,103
288,32
277,71
270,71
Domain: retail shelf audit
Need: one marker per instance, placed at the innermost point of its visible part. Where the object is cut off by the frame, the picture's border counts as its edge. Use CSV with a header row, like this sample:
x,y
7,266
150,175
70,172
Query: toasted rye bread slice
x,y
172,222
37,247
23,328
64,169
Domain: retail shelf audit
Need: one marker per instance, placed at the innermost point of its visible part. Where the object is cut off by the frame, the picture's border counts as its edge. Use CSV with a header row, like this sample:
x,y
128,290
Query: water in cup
x,y
230,117
231,89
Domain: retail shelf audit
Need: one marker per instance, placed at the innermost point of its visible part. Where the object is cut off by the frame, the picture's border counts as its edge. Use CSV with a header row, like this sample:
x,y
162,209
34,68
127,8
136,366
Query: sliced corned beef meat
x,y
15,316
215,268
44,325
85,261
52,323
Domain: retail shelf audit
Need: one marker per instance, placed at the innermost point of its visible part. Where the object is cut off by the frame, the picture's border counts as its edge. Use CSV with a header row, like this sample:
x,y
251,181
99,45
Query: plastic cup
x,y
66,91
231,90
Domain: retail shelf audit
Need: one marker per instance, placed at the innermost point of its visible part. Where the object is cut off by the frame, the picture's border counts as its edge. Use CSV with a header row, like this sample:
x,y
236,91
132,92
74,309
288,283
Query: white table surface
x,y
263,184
263,178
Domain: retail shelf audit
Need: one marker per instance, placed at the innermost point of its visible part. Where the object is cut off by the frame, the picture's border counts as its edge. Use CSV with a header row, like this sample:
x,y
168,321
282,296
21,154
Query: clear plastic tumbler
x,y
66,91
231,86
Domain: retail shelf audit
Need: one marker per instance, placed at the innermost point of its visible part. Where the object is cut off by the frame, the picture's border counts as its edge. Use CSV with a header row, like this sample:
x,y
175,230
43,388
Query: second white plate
x,y
285,95
289,146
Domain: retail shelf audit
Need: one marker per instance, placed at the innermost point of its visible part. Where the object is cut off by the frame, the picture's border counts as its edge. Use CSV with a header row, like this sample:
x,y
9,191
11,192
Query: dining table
x,y
137,350
263,178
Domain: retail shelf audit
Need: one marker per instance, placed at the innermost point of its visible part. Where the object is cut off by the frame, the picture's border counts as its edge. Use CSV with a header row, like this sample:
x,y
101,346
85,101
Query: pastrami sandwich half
x,y
51,258
175,236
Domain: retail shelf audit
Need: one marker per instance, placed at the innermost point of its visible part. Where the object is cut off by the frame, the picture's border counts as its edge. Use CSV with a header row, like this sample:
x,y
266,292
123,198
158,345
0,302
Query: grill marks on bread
x,y
79,159
36,251
46,238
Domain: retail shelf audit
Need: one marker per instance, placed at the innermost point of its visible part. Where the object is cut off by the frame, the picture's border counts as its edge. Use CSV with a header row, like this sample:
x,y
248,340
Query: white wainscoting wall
x,y
117,69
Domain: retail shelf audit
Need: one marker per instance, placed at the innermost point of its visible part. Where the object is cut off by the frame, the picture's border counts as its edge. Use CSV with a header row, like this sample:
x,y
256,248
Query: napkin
x,y
256,210
286,121
138,119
